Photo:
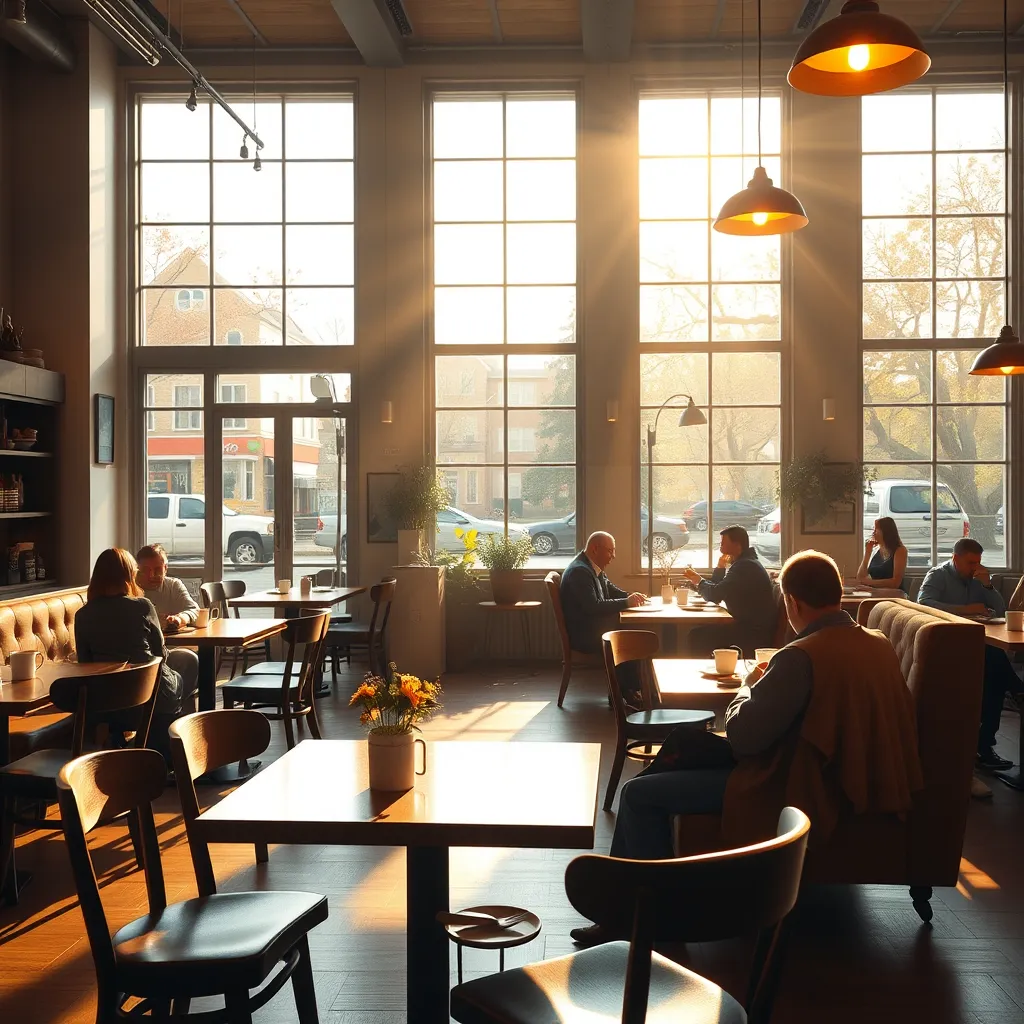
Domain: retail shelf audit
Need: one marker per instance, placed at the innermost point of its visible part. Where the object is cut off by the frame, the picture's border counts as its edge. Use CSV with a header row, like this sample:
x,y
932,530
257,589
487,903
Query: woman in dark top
x,y
118,624
885,557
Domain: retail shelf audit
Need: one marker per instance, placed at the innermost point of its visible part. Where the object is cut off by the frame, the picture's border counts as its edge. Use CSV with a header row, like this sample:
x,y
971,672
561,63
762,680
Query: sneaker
x,y
591,935
991,761
979,790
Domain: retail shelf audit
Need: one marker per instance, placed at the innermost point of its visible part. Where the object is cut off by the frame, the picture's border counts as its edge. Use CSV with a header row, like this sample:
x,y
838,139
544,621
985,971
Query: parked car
x,y
451,519
553,536
768,538
999,531
178,522
326,535
724,513
669,533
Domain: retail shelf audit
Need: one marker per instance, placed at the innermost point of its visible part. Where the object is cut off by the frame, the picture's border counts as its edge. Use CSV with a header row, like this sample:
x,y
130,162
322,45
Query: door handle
x,y
180,525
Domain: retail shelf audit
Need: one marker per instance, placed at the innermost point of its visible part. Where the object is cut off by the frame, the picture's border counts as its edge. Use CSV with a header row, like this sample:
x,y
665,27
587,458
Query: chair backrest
x,y
382,593
232,589
324,578
214,596
97,697
553,582
201,743
311,631
97,788
619,646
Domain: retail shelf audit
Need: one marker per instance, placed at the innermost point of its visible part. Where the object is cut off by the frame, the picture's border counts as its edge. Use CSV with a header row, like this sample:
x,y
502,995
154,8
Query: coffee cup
x,y
24,664
205,616
682,596
725,660
283,586
1015,621
762,655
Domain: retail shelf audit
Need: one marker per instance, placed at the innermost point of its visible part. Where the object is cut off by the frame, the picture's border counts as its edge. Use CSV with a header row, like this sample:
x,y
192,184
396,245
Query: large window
x,y
710,326
504,268
934,229
227,255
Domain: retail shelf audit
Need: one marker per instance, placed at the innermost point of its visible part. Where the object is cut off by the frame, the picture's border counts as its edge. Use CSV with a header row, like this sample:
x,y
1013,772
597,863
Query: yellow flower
x,y
365,691
411,690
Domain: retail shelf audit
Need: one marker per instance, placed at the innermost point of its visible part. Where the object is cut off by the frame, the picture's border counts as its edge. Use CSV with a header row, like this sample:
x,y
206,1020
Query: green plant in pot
x,y
817,485
504,558
413,503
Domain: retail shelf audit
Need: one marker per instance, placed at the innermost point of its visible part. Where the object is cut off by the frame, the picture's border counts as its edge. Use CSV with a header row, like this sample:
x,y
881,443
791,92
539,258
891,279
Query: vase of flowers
x,y
392,705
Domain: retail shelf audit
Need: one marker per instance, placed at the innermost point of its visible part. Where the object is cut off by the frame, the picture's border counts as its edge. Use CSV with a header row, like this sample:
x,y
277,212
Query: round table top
x,y
490,936
521,605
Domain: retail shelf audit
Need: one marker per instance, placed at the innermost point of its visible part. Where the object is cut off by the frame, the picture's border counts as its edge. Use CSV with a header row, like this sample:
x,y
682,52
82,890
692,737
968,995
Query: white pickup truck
x,y
178,522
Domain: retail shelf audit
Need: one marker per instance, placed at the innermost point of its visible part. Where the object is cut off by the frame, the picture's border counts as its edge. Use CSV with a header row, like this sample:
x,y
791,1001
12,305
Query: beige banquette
x,y
943,659
45,623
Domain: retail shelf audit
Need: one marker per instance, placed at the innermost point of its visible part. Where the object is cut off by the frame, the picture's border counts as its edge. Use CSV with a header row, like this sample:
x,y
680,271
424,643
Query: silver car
x,y
452,519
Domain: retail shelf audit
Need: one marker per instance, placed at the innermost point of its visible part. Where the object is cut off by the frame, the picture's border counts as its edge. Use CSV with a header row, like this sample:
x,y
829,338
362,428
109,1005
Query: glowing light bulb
x,y
858,56
1006,369
760,219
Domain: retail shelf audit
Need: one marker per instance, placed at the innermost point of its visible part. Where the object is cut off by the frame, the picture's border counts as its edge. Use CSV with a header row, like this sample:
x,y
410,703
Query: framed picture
x,y
103,429
381,528
841,517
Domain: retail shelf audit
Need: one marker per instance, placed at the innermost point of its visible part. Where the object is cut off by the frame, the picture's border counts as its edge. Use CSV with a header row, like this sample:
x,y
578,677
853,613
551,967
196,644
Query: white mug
x,y
205,616
1015,621
683,596
24,664
725,659
762,655
283,586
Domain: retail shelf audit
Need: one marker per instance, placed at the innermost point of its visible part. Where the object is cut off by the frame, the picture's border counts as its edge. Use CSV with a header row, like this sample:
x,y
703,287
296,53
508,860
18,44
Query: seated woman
x,y
886,566
118,624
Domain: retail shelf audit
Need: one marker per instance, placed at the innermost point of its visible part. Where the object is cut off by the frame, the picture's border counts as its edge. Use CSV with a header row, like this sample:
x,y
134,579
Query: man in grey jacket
x,y
173,603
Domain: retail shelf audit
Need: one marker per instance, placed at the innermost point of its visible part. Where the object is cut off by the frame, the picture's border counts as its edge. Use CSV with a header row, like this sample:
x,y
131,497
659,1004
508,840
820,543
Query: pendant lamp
x,y
761,208
1006,356
861,52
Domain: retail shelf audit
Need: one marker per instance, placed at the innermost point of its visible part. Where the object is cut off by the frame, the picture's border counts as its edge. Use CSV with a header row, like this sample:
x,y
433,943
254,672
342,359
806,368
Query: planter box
x,y
416,629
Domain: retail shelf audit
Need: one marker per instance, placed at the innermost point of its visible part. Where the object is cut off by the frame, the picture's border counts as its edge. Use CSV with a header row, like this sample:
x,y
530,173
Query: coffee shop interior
x,y
651,377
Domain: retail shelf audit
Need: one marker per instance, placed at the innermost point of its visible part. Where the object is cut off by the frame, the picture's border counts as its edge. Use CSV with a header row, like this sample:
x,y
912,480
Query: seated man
x,y
963,586
590,601
837,688
174,609
742,584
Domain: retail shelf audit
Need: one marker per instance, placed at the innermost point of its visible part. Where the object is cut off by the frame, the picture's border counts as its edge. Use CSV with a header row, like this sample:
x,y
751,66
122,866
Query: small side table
x,y
524,608
490,936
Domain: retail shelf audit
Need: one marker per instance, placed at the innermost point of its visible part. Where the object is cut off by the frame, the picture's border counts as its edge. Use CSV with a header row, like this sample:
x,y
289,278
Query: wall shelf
x,y
24,515
25,455
16,590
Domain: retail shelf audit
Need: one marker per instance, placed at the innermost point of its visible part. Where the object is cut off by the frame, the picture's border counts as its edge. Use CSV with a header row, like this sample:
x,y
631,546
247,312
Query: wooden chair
x,y
693,899
637,732
570,657
372,636
220,595
33,778
219,944
202,743
328,578
289,696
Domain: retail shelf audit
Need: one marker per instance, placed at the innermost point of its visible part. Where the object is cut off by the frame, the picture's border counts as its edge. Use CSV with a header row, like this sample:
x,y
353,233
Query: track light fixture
x,y
244,151
257,164
193,101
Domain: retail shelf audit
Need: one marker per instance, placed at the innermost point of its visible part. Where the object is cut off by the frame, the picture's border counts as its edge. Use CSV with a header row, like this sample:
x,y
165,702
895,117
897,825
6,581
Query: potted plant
x,y
818,486
413,503
461,595
392,706
504,558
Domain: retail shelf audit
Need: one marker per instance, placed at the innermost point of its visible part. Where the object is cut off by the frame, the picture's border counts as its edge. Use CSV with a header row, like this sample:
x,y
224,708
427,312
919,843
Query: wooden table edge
x,y
282,602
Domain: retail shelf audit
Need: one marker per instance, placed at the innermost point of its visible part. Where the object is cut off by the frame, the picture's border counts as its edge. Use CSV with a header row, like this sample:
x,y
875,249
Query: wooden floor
x,y
858,954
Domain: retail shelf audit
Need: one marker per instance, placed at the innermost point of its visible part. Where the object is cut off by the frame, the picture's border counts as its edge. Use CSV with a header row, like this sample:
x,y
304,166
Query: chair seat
x,y
348,632
39,732
258,688
267,668
587,987
669,718
35,775
203,946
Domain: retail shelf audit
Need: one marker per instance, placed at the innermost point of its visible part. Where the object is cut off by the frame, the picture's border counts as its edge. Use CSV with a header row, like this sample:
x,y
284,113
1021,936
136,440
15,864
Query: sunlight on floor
x,y
501,720
972,877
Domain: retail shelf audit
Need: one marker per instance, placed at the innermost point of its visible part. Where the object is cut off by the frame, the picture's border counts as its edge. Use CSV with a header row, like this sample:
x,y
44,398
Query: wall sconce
x,y
612,410
828,409
385,411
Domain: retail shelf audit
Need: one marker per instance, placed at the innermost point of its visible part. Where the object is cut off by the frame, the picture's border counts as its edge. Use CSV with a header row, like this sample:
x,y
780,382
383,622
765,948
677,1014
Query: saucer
x,y
709,671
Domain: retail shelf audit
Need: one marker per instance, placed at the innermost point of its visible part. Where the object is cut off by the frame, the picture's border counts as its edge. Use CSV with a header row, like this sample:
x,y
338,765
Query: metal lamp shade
x,y
1003,359
761,209
886,54
691,416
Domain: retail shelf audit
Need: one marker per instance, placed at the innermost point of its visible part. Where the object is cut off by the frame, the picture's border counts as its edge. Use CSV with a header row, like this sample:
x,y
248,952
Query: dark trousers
x,y
1000,679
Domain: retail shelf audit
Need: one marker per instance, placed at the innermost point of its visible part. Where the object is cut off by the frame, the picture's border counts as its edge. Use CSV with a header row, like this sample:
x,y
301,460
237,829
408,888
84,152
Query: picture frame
x,y
840,518
381,527
103,429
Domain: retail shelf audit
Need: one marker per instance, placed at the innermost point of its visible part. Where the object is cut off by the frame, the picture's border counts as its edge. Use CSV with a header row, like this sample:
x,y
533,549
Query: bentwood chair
x,y
129,694
570,658
705,898
287,696
202,743
637,732
373,636
217,945
220,595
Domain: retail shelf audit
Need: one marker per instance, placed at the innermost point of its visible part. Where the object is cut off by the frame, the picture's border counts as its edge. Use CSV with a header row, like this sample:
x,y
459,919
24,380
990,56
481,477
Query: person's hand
x,y
753,675
983,576
174,622
692,576
636,599
724,561
869,545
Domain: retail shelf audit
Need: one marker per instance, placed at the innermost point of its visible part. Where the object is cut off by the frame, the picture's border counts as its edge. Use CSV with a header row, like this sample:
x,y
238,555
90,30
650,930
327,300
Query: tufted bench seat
x,y
45,623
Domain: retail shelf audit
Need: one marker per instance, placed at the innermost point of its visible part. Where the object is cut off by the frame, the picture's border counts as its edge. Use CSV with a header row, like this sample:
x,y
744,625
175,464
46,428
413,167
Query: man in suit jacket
x,y
590,601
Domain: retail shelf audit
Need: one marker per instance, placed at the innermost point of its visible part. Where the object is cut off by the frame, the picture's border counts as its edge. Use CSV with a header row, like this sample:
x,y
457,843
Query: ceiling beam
x,y
373,30
607,29
495,21
812,14
719,12
247,22
950,8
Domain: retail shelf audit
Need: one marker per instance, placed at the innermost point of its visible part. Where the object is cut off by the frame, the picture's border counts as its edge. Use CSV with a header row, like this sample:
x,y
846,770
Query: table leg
x,y
207,678
525,623
426,951
1012,777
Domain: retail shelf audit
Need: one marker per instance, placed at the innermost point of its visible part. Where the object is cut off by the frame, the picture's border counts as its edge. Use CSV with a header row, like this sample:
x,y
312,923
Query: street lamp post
x,y
322,387
691,416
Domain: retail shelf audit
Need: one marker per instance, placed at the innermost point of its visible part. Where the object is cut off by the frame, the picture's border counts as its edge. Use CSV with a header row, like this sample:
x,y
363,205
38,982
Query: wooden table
x,y
679,684
852,602
518,795
31,694
221,633
319,597
672,619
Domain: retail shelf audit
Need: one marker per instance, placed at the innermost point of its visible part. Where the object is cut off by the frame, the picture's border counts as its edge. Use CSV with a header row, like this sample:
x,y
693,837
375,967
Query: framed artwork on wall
x,y
841,517
381,527
103,429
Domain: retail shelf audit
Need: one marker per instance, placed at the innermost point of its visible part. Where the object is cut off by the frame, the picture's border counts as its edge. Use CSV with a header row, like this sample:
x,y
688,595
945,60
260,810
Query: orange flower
x,y
365,691
411,690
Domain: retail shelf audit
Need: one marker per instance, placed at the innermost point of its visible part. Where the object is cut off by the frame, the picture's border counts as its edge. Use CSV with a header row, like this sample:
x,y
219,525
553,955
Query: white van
x,y
909,503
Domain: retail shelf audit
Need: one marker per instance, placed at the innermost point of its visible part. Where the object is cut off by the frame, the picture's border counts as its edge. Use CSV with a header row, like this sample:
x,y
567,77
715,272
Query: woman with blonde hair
x,y
118,623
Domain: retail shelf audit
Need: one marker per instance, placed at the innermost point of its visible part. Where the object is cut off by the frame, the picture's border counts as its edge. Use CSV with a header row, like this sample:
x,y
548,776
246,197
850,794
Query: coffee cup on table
x,y
762,655
1015,621
205,616
725,660
24,664
283,586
